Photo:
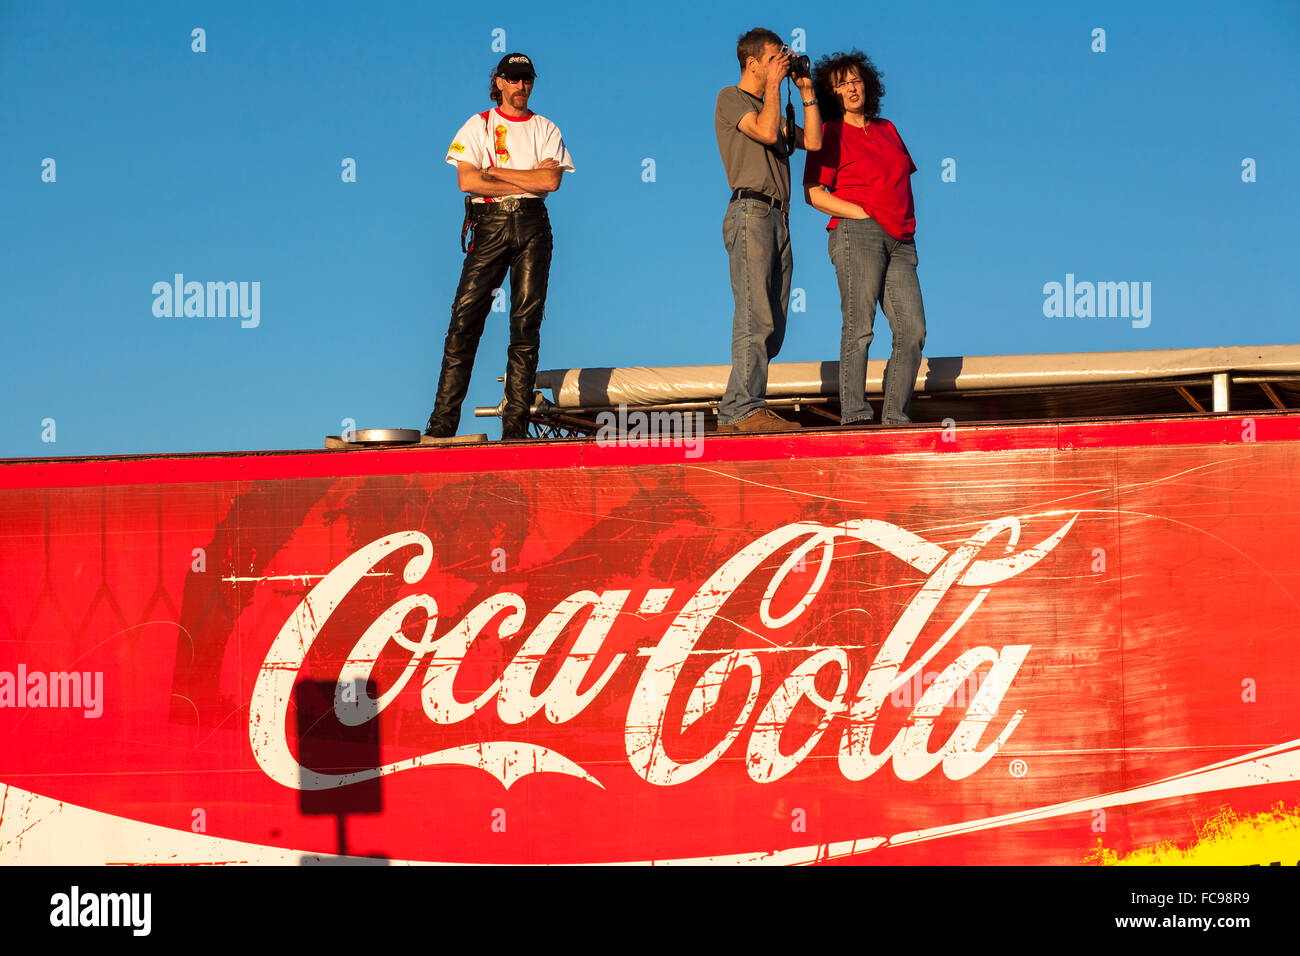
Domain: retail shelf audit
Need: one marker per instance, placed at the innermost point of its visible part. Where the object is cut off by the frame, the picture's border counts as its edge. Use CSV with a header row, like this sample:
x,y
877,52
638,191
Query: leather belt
x,y
510,204
761,197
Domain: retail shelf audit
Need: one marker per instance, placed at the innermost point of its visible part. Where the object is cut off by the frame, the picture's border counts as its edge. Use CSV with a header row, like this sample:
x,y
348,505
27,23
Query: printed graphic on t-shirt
x,y
508,142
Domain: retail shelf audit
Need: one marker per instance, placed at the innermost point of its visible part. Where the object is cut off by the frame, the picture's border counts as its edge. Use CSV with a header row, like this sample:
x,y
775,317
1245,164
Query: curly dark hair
x,y
836,65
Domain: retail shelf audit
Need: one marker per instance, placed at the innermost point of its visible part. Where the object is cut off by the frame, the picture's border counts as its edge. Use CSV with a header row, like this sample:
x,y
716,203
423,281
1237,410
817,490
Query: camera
x,y
800,65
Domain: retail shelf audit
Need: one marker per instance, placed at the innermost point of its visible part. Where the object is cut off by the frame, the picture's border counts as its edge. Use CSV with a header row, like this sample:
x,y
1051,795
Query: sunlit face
x,y
851,90
515,92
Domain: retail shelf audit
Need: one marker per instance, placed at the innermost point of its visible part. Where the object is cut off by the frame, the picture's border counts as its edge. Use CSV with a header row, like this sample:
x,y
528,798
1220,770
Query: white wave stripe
x,y
38,830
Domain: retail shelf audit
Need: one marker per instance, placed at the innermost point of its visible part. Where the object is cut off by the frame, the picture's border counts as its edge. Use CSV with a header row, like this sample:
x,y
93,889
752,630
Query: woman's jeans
x,y
874,267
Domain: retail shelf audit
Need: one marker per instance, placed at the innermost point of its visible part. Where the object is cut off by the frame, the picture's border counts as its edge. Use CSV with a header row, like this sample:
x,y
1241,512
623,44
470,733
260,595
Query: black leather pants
x,y
518,241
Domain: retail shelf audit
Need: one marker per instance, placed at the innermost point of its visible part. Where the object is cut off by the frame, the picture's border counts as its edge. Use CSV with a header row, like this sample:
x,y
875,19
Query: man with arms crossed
x,y
752,140
507,159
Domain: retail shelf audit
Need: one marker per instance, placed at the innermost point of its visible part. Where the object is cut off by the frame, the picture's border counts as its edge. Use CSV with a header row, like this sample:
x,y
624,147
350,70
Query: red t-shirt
x,y
869,167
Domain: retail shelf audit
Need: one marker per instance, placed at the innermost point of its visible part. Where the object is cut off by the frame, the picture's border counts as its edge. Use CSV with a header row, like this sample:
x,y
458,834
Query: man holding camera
x,y
755,144
507,159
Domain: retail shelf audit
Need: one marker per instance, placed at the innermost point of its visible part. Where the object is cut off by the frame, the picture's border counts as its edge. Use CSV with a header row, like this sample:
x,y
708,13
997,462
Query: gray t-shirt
x,y
749,164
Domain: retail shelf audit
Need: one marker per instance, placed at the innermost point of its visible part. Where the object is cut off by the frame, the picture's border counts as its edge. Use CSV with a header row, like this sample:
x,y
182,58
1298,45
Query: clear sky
x,y
225,165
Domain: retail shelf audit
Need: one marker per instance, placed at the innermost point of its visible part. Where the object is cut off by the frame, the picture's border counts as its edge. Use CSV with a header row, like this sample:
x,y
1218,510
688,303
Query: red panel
x,y
1116,602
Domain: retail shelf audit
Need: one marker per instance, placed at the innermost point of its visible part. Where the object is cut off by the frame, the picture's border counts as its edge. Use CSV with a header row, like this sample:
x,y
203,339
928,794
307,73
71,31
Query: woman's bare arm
x,y
822,201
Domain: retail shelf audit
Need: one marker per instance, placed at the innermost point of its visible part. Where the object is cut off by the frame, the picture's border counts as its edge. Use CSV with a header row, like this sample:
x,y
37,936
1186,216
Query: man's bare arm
x,y
809,136
470,180
544,179
764,127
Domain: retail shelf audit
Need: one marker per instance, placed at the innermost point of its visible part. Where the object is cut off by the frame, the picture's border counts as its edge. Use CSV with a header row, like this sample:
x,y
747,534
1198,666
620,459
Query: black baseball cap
x,y
514,66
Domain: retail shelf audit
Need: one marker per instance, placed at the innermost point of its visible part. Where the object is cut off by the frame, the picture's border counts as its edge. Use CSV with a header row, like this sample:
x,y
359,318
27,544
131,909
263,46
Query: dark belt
x,y
761,197
509,204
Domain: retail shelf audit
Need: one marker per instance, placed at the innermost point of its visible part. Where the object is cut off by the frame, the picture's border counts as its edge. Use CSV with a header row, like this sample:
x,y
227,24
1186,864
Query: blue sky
x,y
225,166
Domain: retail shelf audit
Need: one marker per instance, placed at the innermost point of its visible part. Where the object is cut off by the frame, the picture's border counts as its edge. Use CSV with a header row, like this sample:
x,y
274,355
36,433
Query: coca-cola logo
x,y
437,658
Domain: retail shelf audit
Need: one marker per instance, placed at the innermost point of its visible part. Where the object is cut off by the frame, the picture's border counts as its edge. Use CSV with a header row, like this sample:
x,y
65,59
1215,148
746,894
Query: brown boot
x,y
763,420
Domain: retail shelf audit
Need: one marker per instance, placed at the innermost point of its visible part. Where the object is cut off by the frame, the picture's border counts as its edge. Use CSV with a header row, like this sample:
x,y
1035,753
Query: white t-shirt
x,y
508,142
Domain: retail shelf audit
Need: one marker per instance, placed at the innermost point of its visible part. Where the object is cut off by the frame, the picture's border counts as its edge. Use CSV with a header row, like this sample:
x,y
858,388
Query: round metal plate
x,y
385,436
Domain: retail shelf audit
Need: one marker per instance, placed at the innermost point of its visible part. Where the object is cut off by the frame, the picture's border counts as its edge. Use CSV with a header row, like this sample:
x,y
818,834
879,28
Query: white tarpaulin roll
x,y
608,387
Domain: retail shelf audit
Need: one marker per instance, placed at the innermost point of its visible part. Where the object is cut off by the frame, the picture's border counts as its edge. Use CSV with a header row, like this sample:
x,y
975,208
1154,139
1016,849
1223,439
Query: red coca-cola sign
x,y
1017,644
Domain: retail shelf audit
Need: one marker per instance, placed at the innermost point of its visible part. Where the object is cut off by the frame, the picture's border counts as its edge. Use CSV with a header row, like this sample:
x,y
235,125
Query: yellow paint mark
x,y
1224,839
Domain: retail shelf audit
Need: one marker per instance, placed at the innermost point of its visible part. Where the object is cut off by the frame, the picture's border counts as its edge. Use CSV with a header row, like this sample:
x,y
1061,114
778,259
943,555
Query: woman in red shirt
x,y
861,177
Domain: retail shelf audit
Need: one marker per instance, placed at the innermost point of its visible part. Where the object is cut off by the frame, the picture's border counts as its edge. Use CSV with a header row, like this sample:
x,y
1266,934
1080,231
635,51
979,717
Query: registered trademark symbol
x,y
1018,768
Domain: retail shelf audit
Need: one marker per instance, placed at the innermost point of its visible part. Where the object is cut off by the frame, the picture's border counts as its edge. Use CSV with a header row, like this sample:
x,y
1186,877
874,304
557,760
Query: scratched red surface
x,y
1160,631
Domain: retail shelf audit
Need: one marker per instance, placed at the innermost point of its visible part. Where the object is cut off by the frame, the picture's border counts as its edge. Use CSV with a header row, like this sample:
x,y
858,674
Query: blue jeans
x,y
757,237
874,267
